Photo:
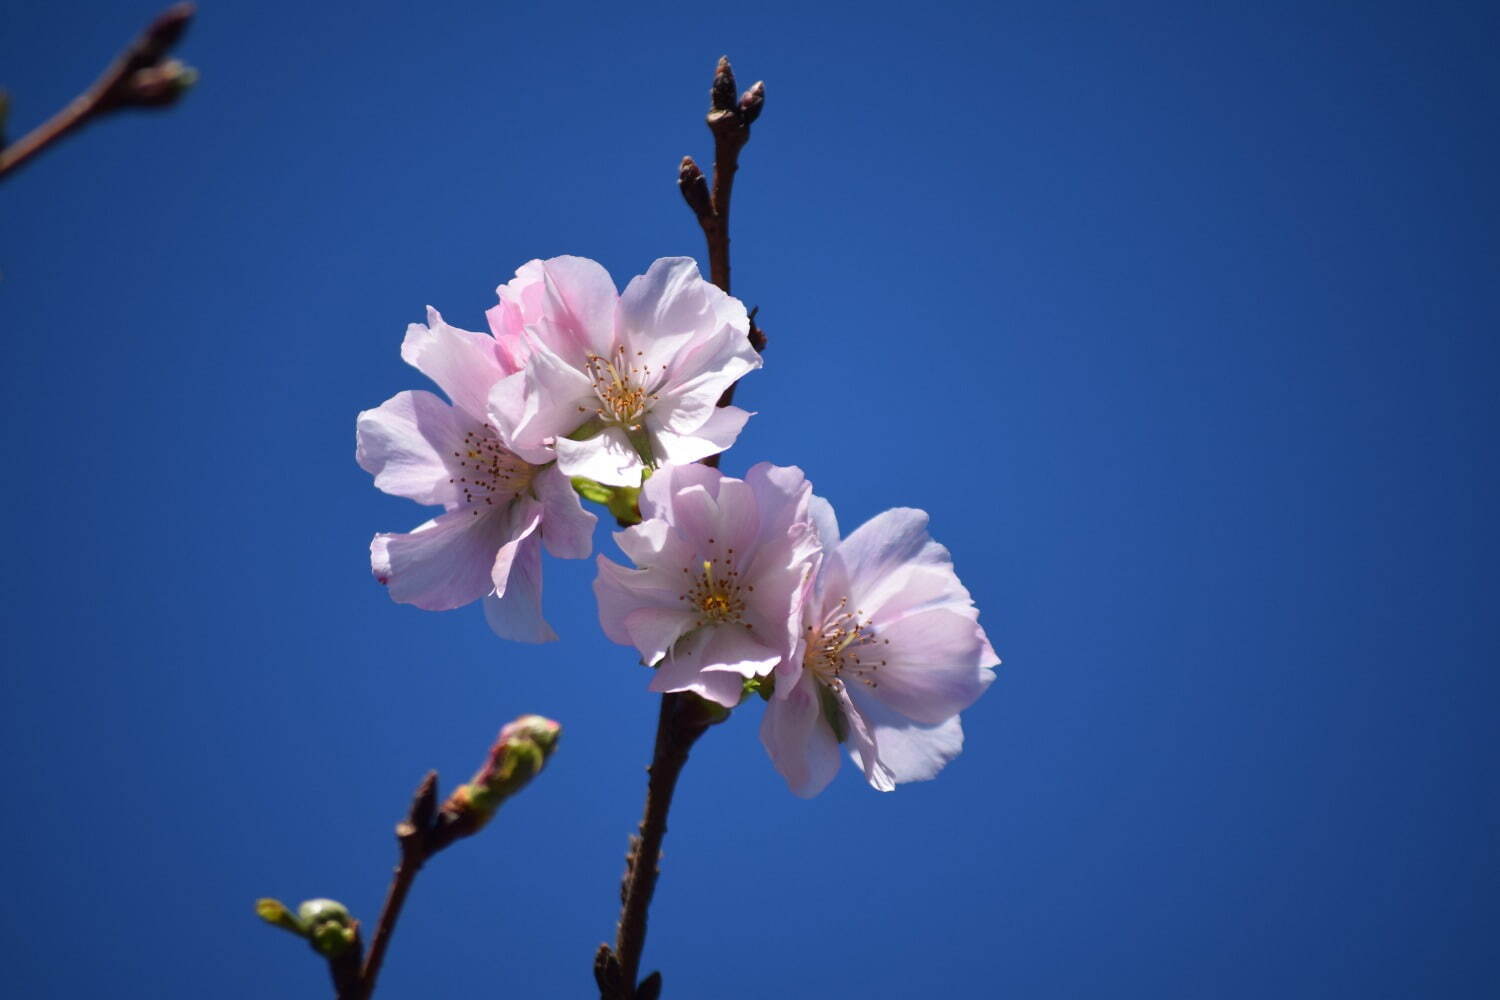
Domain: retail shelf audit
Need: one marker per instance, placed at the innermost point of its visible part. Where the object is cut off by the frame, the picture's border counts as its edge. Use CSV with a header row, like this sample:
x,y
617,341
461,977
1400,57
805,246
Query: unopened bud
x,y
519,754
722,93
275,913
159,85
694,188
752,101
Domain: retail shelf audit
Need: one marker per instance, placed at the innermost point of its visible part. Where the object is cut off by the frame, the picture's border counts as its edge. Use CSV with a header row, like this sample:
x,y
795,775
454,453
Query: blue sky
x,y
1180,322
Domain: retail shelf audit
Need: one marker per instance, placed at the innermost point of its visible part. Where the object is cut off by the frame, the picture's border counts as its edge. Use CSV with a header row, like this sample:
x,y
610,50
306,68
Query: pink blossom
x,y
499,509
723,566
613,384
889,653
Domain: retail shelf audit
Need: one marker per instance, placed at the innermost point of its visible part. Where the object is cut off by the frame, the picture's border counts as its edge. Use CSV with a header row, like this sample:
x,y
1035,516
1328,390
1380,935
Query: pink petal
x,y
516,613
405,443
712,662
525,517
800,742
653,630
463,364
657,494
713,436
607,458
444,563
520,304
619,592
662,312
547,400
909,751
567,528
936,664
825,522
700,373
579,304
861,739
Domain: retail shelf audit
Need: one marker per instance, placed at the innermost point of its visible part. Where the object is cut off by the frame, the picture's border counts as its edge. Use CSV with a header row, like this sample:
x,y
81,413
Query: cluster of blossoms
x,y
738,584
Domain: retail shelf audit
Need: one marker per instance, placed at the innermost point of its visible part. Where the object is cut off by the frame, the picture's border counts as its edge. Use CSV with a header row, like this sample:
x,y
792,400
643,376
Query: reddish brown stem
x,y
684,717
413,834
141,76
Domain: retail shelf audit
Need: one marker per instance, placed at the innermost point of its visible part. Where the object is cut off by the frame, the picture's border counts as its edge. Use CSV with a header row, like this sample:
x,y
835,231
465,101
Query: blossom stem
x,y
140,76
683,718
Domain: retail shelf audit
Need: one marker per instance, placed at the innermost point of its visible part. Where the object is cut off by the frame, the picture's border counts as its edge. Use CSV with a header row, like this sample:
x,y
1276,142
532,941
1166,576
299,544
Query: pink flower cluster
x,y
869,641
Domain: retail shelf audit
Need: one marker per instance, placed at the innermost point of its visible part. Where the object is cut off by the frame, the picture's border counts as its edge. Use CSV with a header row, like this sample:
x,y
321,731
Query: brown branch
x,y
140,77
684,717
730,122
412,834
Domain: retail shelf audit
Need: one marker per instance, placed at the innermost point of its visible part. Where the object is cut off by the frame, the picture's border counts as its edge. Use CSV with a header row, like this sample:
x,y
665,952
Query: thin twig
x,y
730,121
412,835
140,77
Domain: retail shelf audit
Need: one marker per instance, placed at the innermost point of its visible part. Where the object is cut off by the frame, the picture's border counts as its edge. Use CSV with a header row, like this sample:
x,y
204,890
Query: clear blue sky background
x,y
1182,325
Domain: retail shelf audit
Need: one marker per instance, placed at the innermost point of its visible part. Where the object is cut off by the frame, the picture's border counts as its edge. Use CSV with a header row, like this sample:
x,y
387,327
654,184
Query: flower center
x,y
715,594
488,474
622,388
839,649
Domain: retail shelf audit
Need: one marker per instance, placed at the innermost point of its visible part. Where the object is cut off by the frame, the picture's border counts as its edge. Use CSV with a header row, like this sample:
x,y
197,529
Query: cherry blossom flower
x,y
723,566
499,509
890,652
612,383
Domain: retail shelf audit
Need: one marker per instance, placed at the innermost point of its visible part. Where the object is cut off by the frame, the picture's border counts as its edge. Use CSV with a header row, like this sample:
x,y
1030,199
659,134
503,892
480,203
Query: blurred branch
x,y
140,77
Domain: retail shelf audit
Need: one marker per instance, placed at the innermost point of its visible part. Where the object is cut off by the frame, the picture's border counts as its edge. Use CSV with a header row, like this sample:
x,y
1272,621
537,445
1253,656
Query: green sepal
x,y
763,686
621,501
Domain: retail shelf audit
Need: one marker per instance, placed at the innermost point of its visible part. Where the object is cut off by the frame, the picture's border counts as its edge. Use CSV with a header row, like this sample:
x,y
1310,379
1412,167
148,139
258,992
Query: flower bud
x,y
694,188
160,85
330,928
751,102
722,92
519,754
